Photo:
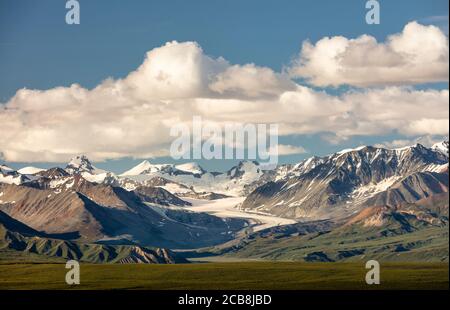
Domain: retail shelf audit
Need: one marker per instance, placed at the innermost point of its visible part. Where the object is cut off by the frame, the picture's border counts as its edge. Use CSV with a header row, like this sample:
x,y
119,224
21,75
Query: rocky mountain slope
x,y
60,203
409,232
344,183
16,236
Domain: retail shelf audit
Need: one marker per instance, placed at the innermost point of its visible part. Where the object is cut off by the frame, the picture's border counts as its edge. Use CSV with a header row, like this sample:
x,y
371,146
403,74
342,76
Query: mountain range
x,y
345,182
95,215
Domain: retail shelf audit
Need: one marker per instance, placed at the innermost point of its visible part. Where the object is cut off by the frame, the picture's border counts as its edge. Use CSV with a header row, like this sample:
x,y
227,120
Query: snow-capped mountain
x,y
6,170
193,168
344,182
144,167
146,170
30,170
11,176
250,170
83,166
365,166
234,182
441,147
78,209
80,164
375,168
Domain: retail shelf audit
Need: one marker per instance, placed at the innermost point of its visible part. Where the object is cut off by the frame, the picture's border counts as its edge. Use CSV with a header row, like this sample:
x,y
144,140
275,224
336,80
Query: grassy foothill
x,y
220,276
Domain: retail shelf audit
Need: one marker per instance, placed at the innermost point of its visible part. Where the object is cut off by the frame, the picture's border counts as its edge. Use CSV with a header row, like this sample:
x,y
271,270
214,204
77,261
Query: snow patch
x,y
30,170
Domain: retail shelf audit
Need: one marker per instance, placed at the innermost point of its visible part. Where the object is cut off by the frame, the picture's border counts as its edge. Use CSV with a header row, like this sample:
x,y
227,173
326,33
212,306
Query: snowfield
x,y
226,208
30,170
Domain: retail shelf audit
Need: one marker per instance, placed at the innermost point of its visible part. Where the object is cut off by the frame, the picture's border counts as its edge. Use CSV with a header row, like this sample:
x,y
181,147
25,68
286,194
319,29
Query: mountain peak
x,y
359,148
244,163
139,169
441,147
79,160
249,167
30,170
5,169
193,168
81,164
11,176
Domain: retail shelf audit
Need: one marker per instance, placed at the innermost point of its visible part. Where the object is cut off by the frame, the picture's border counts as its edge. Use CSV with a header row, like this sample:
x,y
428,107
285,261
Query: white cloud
x,y
408,111
175,70
417,55
133,116
285,149
440,21
251,81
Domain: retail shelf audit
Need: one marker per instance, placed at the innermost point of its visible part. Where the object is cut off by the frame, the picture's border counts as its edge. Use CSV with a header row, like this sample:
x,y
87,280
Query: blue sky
x,y
39,51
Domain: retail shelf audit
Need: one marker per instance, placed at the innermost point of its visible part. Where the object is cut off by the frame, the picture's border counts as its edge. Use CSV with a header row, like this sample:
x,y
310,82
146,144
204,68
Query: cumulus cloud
x,y
419,54
132,117
405,110
251,81
175,70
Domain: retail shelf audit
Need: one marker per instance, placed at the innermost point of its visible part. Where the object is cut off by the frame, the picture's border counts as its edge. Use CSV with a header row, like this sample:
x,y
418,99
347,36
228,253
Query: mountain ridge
x,y
16,236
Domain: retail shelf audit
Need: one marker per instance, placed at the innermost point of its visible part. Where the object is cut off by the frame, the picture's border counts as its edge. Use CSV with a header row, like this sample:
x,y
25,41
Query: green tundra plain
x,y
231,275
